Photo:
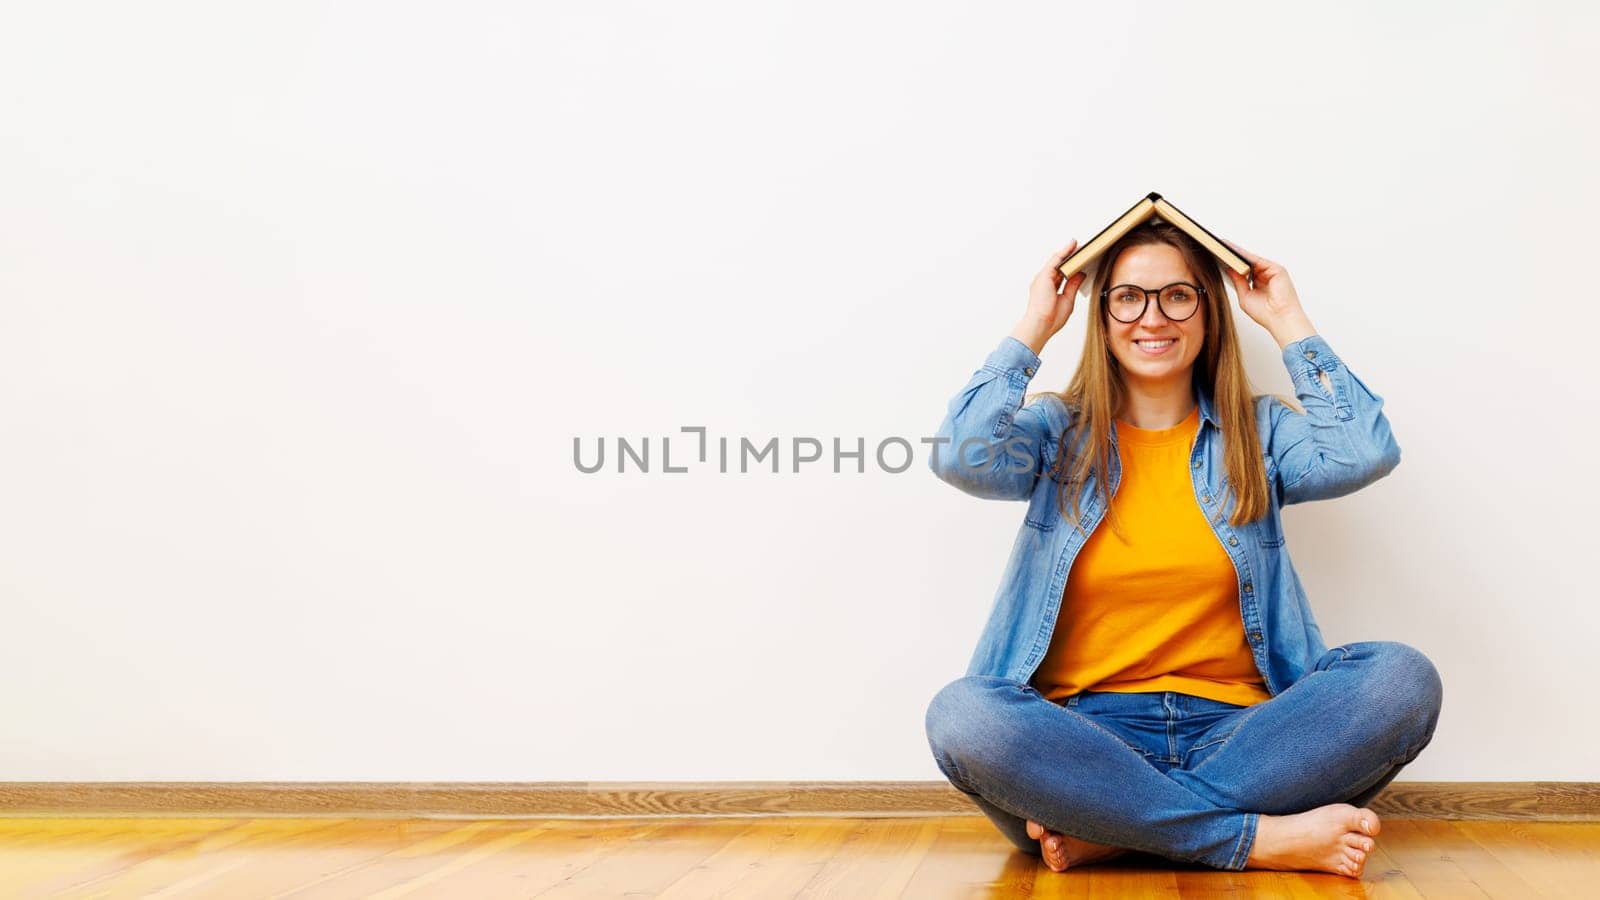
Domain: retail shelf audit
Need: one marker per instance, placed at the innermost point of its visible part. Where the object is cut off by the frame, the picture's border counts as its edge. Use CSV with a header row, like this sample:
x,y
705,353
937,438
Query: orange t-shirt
x,y
1159,612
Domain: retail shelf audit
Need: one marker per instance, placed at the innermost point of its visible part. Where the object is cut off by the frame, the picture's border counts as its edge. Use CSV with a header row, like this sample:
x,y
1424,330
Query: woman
x,y
1160,684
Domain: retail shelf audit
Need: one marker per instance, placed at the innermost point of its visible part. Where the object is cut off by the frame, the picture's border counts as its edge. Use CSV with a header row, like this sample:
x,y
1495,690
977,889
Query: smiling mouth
x,y
1155,346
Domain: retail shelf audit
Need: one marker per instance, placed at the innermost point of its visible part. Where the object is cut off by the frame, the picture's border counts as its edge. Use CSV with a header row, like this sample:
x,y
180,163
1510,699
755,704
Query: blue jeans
x,y
1181,776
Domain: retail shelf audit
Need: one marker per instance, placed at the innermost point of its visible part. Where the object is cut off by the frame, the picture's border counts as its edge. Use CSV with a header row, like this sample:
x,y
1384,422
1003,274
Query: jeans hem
x,y
1247,840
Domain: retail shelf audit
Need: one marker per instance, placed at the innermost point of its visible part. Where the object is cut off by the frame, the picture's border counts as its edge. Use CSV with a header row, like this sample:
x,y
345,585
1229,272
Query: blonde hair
x,y
1096,394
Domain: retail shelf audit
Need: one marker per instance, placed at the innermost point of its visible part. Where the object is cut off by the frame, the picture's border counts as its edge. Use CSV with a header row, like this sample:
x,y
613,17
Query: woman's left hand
x,y
1273,302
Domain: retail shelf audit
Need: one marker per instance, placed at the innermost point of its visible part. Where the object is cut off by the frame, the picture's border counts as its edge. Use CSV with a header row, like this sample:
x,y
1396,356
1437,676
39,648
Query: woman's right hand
x,y
1049,303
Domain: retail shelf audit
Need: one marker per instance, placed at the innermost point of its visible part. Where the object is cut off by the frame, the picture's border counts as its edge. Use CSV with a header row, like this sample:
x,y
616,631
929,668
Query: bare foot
x,y
1334,838
1062,850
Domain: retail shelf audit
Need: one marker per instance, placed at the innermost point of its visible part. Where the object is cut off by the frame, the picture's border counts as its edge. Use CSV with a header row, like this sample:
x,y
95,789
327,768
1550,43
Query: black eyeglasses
x,y
1177,301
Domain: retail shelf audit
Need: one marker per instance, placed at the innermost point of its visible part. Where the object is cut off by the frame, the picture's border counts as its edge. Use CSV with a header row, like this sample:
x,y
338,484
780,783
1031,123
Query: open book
x,y
1151,206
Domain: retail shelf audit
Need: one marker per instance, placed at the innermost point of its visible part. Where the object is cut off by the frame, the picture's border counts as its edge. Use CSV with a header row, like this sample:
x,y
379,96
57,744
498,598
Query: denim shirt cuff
x,y
1309,358
1309,355
1013,357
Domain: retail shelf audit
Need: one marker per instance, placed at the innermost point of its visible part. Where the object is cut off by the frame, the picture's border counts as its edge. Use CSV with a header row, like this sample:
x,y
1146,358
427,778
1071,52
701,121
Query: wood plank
x,y
877,860
1552,870
1384,878
562,849
1487,872
192,863
1432,870
970,858
360,843
645,866
40,857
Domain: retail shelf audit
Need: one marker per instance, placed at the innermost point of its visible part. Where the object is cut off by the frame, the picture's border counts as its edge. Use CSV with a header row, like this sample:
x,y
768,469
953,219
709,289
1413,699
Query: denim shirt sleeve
x,y
1342,442
989,445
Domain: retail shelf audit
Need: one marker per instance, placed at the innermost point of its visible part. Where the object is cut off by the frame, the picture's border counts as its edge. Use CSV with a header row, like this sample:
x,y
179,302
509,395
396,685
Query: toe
x,y
1358,841
1035,830
1054,853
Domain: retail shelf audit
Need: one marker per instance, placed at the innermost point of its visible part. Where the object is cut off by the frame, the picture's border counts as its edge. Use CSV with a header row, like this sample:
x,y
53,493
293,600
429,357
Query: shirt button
x,y
1197,464
1248,587
1311,354
1233,540
1255,636
1206,498
1028,371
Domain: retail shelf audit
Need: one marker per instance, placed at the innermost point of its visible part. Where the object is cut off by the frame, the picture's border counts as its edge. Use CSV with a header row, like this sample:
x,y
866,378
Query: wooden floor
x,y
957,856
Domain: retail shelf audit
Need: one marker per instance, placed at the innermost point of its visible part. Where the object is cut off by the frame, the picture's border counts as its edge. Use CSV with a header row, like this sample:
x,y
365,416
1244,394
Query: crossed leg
x,y
1339,735
1019,756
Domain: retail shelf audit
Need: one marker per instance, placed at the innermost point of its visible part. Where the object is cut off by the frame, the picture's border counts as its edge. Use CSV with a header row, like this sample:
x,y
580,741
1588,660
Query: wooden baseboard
x,y
1569,801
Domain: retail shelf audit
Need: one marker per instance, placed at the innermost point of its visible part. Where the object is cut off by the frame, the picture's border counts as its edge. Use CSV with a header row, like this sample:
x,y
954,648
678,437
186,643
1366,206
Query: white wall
x,y
302,306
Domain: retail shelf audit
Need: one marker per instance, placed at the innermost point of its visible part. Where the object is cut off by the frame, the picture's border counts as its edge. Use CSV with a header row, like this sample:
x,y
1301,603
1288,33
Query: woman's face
x,y
1155,266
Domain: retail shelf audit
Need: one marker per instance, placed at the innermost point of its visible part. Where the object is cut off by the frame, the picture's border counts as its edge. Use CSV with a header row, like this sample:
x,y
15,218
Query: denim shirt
x,y
1340,444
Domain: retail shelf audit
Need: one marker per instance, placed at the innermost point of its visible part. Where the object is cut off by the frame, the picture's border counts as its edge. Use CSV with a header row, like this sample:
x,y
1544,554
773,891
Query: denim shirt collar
x,y
1207,413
